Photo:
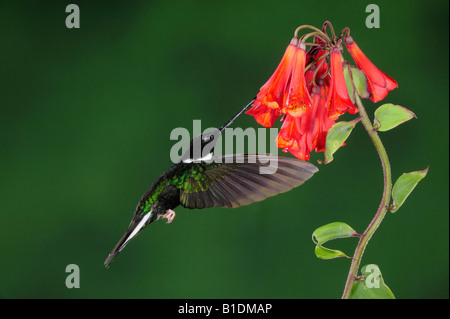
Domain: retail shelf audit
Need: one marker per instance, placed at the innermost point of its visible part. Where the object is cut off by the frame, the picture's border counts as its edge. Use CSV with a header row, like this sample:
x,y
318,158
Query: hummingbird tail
x,y
116,250
132,231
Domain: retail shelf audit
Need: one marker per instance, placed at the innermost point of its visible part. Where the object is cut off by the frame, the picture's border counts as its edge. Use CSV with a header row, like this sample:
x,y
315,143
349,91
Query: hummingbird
x,y
201,180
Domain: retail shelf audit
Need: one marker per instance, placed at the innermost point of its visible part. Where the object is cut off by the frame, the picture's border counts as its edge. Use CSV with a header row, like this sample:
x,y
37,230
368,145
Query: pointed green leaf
x,y
389,116
371,285
336,137
333,231
329,232
404,185
325,253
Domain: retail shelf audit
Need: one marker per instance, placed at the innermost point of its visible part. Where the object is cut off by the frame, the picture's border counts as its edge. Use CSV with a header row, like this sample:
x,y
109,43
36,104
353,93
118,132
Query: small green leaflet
x,y
404,185
326,253
336,137
371,285
329,232
389,116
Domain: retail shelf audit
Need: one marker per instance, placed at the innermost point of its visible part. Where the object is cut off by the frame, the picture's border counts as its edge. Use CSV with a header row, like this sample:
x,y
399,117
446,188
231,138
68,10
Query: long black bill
x,y
236,116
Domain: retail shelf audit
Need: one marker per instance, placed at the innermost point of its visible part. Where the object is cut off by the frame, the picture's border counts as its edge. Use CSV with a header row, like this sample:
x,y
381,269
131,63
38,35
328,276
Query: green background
x,y
85,119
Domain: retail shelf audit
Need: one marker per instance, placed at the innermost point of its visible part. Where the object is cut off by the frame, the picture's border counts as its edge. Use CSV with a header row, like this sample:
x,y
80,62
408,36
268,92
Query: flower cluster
x,y
309,90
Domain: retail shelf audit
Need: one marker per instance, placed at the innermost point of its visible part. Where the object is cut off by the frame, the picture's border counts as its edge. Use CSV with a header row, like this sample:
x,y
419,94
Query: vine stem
x,y
382,209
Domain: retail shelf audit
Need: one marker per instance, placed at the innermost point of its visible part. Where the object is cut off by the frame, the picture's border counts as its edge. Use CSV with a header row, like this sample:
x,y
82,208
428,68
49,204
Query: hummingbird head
x,y
209,140
201,147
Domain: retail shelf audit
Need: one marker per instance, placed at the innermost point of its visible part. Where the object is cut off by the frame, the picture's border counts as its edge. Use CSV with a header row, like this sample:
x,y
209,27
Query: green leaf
x,y
332,231
325,253
389,116
371,285
336,137
404,185
329,232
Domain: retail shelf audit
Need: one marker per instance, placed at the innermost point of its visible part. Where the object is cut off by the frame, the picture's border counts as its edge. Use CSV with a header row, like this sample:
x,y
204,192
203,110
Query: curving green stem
x,y
324,29
384,204
320,35
317,32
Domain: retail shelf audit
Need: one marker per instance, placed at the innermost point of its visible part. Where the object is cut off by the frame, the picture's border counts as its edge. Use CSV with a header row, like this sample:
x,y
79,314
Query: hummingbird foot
x,y
169,215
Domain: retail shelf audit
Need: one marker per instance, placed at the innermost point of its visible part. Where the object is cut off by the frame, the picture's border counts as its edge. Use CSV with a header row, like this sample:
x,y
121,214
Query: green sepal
x,y
360,82
371,285
356,82
388,116
336,137
404,185
349,81
329,232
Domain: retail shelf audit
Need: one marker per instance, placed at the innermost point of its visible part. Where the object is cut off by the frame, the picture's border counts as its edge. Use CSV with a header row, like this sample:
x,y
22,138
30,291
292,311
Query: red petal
x,y
290,139
273,90
264,115
338,99
297,99
379,83
301,135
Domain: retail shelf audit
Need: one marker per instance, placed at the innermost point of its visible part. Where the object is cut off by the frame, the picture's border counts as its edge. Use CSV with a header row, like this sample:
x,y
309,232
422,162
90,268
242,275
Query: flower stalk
x,y
318,32
384,204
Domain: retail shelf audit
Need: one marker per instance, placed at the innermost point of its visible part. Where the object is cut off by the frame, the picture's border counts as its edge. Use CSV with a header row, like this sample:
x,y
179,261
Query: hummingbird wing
x,y
237,179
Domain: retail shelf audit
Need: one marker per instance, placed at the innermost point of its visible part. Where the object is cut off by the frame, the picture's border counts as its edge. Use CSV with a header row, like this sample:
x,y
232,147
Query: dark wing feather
x,y
236,180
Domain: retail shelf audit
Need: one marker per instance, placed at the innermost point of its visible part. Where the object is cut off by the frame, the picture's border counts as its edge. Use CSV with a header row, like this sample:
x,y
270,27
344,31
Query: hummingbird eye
x,y
208,138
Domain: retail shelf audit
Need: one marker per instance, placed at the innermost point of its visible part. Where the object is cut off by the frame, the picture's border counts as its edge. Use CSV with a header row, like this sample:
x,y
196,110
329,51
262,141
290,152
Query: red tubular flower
x,y
263,114
338,99
301,135
297,99
379,83
323,123
291,140
269,100
313,100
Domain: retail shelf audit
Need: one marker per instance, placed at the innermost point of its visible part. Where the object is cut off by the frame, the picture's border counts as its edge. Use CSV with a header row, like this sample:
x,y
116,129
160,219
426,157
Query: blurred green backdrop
x,y
85,118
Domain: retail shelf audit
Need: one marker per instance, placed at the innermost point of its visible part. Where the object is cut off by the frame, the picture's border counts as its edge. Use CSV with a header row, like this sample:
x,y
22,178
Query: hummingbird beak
x,y
236,116
131,232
